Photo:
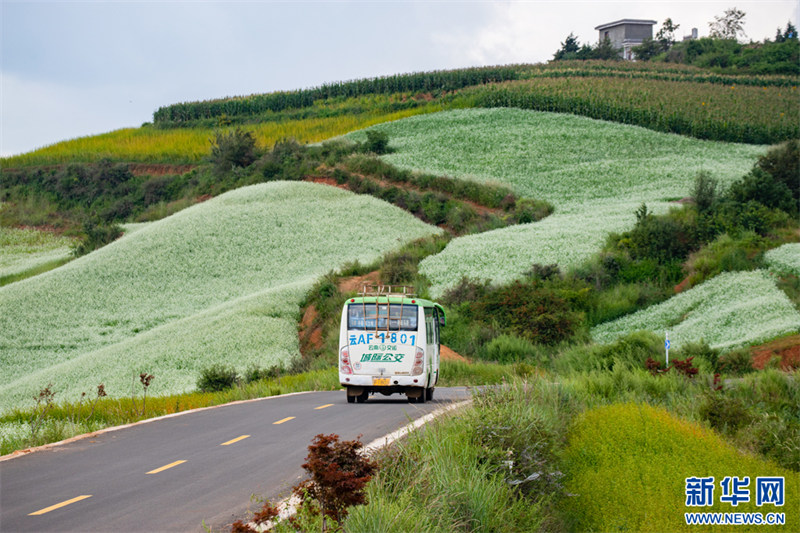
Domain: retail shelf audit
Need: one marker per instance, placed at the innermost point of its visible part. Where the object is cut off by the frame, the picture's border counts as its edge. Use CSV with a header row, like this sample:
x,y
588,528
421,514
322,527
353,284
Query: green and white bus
x,y
389,343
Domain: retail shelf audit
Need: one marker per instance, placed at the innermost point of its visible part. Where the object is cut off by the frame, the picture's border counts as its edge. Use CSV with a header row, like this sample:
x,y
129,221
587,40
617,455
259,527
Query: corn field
x,y
731,113
445,80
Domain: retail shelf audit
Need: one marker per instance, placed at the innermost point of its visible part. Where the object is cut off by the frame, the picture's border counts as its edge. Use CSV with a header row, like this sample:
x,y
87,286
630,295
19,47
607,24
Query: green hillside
x,y
219,282
575,204
734,107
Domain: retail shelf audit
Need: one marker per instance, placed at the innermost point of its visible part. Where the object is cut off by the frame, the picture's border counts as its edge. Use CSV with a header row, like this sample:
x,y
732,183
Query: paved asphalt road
x,y
188,472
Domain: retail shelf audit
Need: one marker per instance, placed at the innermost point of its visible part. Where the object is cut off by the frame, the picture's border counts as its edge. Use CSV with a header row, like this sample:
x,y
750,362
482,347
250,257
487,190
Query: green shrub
x,y
491,468
762,187
703,354
622,299
529,311
527,210
377,142
510,348
631,351
783,164
236,148
217,378
399,268
256,373
96,235
736,362
706,192
724,413
725,254
460,217
660,238
777,438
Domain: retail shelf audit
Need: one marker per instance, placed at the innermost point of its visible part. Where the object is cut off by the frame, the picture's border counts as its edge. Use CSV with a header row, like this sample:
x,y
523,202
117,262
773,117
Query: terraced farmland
x,y
595,173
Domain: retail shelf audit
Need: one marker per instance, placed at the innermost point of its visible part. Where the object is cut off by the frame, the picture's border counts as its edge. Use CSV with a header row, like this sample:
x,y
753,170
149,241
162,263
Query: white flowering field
x,y
219,282
595,173
567,160
733,309
785,258
22,250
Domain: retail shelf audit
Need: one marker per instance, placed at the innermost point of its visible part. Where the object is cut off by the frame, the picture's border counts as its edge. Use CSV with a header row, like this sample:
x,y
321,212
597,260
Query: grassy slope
x,y
213,283
595,173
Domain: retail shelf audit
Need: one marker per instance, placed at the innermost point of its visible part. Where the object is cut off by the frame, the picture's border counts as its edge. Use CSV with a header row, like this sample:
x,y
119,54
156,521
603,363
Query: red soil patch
x,y
788,349
310,331
449,355
310,334
325,180
156,169
683,285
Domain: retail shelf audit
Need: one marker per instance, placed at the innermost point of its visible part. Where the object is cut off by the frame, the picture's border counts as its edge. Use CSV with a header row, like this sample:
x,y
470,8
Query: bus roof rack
x,y
387,290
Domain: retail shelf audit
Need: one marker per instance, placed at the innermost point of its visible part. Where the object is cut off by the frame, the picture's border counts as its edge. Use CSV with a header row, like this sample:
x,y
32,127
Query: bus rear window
x,y
394,317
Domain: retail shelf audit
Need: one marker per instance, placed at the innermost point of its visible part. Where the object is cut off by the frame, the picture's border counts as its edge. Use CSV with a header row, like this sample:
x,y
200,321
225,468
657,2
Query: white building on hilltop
x,y
625,34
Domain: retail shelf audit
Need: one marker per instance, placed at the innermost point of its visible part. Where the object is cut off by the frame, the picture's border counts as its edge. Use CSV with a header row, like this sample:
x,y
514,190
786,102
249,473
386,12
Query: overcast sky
x,y
75,68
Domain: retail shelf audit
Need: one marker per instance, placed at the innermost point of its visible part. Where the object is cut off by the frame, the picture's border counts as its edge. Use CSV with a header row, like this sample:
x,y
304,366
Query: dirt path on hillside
x,y
480,209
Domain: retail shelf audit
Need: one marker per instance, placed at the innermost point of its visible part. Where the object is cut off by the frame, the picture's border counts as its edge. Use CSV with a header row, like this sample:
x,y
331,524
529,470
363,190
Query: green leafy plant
x,y
217,377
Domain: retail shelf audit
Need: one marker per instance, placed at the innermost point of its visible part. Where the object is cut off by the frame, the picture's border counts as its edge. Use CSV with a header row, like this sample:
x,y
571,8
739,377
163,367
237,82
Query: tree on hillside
x,y
789,33
236,148
666,35
572,49
663,42
605,50
728,26
569,47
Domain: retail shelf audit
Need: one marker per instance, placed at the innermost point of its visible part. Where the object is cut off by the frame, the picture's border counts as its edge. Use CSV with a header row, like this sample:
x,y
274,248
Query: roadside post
x,y
666,345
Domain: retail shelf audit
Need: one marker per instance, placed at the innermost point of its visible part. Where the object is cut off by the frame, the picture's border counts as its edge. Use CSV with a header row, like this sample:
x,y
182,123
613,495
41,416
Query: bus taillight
x,y
419,358
344,358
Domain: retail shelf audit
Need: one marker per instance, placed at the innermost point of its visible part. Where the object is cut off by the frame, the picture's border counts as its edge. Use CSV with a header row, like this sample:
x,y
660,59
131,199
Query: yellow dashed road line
x,y
60,505
165,467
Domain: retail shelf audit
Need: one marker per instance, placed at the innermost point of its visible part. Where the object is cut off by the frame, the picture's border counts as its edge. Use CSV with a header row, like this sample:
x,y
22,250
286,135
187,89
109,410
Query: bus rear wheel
x,y
417,399
361,398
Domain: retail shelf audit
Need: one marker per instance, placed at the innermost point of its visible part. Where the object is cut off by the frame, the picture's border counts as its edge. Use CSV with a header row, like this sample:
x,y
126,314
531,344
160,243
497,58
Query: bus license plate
x,y
380,382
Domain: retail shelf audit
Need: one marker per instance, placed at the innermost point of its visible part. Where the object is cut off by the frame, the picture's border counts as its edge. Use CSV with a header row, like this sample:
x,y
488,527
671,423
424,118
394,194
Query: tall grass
x,y
459,474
